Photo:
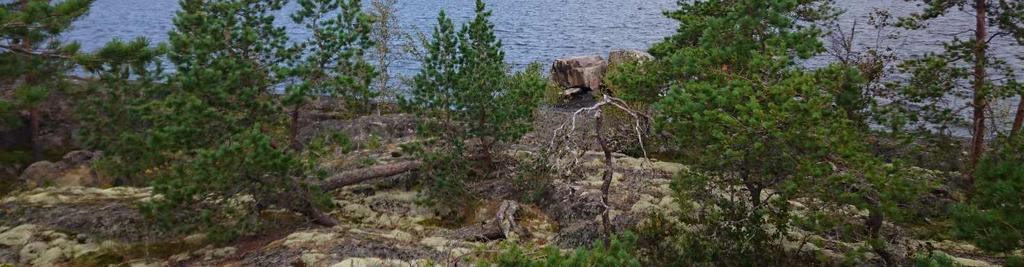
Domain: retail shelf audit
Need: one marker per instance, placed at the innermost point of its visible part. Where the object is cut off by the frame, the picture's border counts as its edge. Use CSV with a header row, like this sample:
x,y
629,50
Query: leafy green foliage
x,y
993,217
617,253
967,74
771,127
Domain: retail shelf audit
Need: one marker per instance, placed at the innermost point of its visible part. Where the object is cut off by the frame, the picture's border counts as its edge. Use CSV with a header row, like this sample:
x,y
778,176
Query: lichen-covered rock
x,y
308,239
32,245
73,170
18,236
628,55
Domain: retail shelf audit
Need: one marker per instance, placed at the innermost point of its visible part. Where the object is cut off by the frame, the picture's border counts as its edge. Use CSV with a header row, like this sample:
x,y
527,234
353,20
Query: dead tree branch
x,y
562,135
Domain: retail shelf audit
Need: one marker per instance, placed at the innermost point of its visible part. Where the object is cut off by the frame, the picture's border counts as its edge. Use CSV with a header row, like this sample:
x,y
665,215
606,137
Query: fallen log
x,y
357,176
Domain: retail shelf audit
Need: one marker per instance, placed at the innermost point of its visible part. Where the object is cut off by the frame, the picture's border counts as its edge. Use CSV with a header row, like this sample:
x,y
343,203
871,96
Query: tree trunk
x,y
1018,121
33,111
37,148
753,188
980,96
606,186
361,175
293,134
319,217
874,226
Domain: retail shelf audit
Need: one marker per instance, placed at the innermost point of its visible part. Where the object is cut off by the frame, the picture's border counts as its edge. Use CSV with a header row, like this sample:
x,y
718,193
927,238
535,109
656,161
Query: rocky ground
x,y
67,215
383,223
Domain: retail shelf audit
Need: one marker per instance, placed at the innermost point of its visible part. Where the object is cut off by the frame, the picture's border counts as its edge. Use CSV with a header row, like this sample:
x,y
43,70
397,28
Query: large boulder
x,y
628,55
73,170
579,72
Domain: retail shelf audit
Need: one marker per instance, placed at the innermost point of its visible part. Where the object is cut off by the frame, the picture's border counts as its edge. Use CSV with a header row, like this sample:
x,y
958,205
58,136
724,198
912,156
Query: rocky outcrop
x,y
579,72
73,170
52,226
37,246
628,55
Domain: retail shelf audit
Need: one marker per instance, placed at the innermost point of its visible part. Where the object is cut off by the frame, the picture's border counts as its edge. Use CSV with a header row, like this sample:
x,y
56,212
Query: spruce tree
x,y
33,62
333,62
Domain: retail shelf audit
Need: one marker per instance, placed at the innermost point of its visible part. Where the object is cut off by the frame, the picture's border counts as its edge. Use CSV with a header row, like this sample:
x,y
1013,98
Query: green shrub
x,y
223,190
617,253
1014,261
935,259
994,216
533,176
638,83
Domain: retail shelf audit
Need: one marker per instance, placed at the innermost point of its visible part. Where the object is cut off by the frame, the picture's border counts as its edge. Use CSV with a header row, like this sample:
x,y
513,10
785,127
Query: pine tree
x,y
993,217
434,86
465,92
333,60
760,130
966,63
34,62
112,115
481,79
212,142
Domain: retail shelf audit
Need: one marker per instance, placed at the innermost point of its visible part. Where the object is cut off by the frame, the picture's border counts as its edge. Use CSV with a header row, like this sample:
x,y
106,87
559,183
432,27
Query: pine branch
x,y
46,54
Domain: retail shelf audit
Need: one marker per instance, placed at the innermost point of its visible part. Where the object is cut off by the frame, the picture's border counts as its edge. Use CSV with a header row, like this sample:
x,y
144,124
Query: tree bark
x,y
33,110
980,96
874,226
353,177
319,217
293,133
1018,121
606,186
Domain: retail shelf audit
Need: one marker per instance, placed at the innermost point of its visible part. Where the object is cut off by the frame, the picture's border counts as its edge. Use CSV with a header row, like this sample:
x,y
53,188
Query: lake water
x,y
532,30
543,30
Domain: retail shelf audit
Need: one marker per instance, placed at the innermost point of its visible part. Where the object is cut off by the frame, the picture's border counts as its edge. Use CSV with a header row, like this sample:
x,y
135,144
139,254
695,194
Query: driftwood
x,y
357,176
503,226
